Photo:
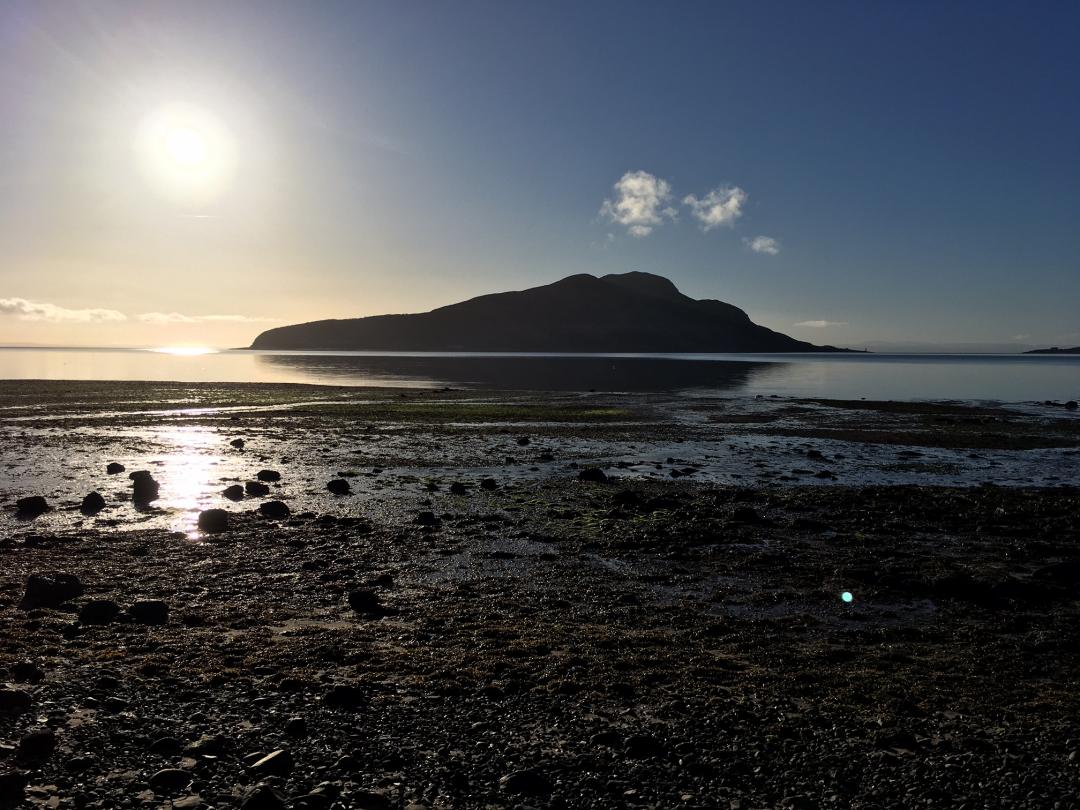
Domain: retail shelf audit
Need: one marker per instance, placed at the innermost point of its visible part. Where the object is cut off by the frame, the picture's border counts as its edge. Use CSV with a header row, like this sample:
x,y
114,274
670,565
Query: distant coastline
x,y
1055,350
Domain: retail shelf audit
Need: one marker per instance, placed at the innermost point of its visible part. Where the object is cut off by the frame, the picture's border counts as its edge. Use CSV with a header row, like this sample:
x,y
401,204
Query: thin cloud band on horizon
x,y
25,309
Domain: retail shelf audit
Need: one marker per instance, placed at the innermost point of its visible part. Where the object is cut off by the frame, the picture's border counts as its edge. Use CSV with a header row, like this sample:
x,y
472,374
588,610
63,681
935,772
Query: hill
x,y
628,312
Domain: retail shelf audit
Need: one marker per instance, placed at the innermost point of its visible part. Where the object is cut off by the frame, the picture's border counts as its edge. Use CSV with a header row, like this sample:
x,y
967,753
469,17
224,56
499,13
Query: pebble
x,y
170,780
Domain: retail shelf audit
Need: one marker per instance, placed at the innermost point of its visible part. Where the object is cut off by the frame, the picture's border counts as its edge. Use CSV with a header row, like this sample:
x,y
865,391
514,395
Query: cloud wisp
x,y
165,318
640,203
821,324
26,310
721,206
762,244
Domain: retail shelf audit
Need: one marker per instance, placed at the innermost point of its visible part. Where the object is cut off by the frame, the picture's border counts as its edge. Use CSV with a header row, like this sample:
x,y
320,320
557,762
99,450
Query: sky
x,y
877,174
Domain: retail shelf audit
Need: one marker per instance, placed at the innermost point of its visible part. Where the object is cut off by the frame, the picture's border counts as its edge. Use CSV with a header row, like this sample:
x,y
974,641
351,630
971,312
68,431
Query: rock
x,y
144,488
237,443
1072,405
13,786
530,781
31,507
366,603
92,503
149,611
458,488
627,499
167,746
427,519
275,510
524,441
212,744
345,696
268,475
264,797
27,672
370,800
611,739
296,727
213,521
170,780
38,744
642,746
339,486
99,611
188,803
114,468
235,492
276,763
488,483
594,474
256,488
50,590
14,701
746,514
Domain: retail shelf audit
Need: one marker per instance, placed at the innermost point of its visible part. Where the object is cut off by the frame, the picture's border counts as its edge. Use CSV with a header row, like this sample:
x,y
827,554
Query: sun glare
x,y
185,152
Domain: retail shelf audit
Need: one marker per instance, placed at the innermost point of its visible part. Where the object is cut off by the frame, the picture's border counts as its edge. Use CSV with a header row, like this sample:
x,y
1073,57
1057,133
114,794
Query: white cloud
x,y
163,318
639,203
40,311
762,244
721,206
821,324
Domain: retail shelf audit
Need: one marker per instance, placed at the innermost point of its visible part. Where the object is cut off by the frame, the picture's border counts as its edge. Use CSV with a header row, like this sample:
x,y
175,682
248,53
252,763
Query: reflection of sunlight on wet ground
x,y
188,474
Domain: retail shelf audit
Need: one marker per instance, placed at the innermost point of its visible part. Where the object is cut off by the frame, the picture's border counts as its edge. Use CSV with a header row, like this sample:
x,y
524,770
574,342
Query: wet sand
x,y
671,633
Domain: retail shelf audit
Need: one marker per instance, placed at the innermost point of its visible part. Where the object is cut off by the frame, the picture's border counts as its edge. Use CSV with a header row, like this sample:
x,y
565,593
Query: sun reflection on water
x,y
188,473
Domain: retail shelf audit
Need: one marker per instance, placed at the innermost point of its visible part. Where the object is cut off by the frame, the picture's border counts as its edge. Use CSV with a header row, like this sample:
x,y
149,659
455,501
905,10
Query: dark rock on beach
x,y
339,486
234,492
213,521
92,503
275,510
50,590
31,506
114,468
256,488
144,488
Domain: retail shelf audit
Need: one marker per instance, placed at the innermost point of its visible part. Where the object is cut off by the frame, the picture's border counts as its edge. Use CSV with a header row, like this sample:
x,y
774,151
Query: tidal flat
x,y
535,600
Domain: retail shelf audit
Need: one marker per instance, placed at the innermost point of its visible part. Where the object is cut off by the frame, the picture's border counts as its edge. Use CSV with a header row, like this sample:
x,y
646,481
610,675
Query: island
x,y
624,312
1055,350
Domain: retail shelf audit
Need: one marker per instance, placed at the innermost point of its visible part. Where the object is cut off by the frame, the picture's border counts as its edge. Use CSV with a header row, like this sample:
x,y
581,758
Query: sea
x,y
955,377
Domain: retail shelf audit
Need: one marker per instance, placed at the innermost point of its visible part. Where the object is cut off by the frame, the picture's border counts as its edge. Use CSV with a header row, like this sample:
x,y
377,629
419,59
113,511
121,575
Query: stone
x,y
339,486
488,483
264,797
593,474
50,590
38,744
235,492
365,602
237,443
256,488
92,503
213,521
268,475
275,510
524,441
149,611
13,786
167,746
296,727
144,488
99,611
212,744
1072,405
170,780
458,488
14,701
642,746
529,781
345,696
31,507
427,519
27,672
276,763
114,468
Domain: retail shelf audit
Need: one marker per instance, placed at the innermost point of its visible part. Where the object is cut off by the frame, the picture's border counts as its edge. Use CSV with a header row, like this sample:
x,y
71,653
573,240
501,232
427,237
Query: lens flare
x,y
848,597
185,153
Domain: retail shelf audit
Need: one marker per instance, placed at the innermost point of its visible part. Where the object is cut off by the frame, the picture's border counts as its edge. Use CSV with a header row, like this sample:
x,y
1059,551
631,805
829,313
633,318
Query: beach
x,y
537,600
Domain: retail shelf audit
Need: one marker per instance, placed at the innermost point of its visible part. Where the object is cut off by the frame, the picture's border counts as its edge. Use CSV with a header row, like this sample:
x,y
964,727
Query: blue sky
x,y
916,166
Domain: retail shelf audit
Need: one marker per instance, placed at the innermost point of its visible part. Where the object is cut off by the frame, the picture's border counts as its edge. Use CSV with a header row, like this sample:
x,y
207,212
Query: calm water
x,y
1009,378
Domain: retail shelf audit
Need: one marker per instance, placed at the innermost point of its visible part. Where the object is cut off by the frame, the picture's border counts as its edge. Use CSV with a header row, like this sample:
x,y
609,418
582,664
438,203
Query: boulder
x,y
38,744
31,506
256,488
234,492
149,611
14,701
268,475
114,468
144,488
92,503
99,611
50,590
593,474
213,521
237,443
275,510
339,486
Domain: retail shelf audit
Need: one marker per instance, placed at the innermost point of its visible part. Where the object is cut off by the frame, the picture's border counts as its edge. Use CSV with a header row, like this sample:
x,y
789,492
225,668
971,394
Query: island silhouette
x,y
623,312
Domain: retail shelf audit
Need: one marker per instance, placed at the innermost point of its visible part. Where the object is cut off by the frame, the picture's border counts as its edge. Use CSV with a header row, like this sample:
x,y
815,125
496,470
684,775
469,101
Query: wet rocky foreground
x,y
587,635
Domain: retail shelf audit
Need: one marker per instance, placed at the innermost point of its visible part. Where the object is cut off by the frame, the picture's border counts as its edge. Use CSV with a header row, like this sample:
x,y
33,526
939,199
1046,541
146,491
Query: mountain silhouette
x,y
1055,350
628,312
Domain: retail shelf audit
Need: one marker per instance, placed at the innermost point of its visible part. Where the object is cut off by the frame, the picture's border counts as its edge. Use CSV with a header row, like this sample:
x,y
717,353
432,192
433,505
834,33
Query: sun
x,y
185,152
